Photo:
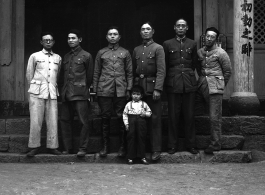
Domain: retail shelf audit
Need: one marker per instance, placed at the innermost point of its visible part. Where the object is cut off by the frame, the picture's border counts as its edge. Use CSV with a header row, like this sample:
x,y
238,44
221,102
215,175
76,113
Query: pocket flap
x,y
150,80
79,61
219,77
173,51
56,61
151,56
35,82
80,84
40,60
65,62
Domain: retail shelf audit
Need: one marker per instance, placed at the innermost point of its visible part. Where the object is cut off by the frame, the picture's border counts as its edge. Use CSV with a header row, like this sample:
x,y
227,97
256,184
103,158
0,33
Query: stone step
x,y
19,143
237,125
179,157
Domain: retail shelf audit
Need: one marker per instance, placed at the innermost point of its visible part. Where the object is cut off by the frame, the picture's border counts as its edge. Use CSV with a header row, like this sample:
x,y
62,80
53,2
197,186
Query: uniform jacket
x,y
78,71
42,73
113,72
181,61
215,68
149,66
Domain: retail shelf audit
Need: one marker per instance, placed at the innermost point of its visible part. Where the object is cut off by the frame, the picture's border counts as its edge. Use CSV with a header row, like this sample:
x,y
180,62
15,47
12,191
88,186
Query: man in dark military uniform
x,y
149,70
78,72
181,85
112,83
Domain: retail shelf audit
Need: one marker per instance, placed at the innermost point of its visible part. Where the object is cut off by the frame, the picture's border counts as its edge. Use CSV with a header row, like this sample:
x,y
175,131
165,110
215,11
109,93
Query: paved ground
x,y
122,179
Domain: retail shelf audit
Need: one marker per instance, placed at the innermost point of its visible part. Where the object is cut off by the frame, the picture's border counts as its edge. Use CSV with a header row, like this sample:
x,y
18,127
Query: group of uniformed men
x,y
151,66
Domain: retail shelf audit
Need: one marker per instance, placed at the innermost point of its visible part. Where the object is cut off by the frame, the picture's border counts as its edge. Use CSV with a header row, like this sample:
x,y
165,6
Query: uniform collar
x,y
76,50
147,43
210,49
181,39
46,52
115,47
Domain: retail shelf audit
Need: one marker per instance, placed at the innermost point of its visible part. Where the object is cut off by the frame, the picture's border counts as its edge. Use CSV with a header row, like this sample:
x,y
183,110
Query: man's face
x,y
113,36
210,38
146,31
47,42
73,40
181,28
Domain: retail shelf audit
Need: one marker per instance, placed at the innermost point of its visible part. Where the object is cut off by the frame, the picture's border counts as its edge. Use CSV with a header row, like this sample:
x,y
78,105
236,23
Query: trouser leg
x,y
36,109
51,116
215,110
154,123
105,104
174,108
67,115
81,107
119,104
188,103
131,142
141,131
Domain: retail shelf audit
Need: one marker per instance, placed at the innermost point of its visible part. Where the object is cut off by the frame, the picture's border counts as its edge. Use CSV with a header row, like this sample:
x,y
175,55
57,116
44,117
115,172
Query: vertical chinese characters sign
x,y
243,46
247,23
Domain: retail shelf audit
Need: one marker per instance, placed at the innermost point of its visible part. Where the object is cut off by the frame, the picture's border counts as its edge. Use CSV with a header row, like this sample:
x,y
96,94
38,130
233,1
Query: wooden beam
x,y
198,18
5,32
19,36
211,11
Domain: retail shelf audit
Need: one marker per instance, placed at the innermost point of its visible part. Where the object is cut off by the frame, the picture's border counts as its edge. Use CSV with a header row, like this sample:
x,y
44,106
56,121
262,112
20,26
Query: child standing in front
x,y
134,115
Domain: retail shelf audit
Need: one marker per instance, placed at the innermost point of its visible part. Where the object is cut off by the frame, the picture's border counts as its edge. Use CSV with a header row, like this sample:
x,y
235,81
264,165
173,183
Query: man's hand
x,y
156,95
128,95
127,127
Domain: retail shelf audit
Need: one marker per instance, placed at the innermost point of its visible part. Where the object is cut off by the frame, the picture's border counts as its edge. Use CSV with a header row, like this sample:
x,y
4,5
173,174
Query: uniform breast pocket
x,y
79,65
121,58
40,63
188,53
151,59
173,54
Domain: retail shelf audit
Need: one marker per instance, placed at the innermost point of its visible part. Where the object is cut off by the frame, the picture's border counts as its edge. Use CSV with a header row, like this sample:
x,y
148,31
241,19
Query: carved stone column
x,y
243,100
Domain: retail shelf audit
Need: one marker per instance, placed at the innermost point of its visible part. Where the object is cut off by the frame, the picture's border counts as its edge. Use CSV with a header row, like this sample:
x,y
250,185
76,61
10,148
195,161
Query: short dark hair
x,y
113,27
138,89
182,19
76,32
44,33
150,24
214,30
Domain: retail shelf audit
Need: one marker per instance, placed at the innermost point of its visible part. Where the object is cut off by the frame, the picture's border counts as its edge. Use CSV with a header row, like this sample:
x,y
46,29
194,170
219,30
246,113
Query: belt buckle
x,y
141,76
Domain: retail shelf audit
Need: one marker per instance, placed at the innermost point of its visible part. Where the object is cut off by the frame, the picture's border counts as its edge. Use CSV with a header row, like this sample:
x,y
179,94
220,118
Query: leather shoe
x,y
172,151
81,154
69,151
156,155
33,152
144,161
54,151
210,150
121,152
193,150
129,161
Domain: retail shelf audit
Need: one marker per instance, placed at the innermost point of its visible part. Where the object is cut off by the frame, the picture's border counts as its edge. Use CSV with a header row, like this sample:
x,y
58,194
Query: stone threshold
x,y
224,156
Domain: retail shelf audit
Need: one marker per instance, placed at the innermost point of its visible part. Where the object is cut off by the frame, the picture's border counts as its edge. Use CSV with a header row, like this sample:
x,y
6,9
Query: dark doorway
x,y
93,17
